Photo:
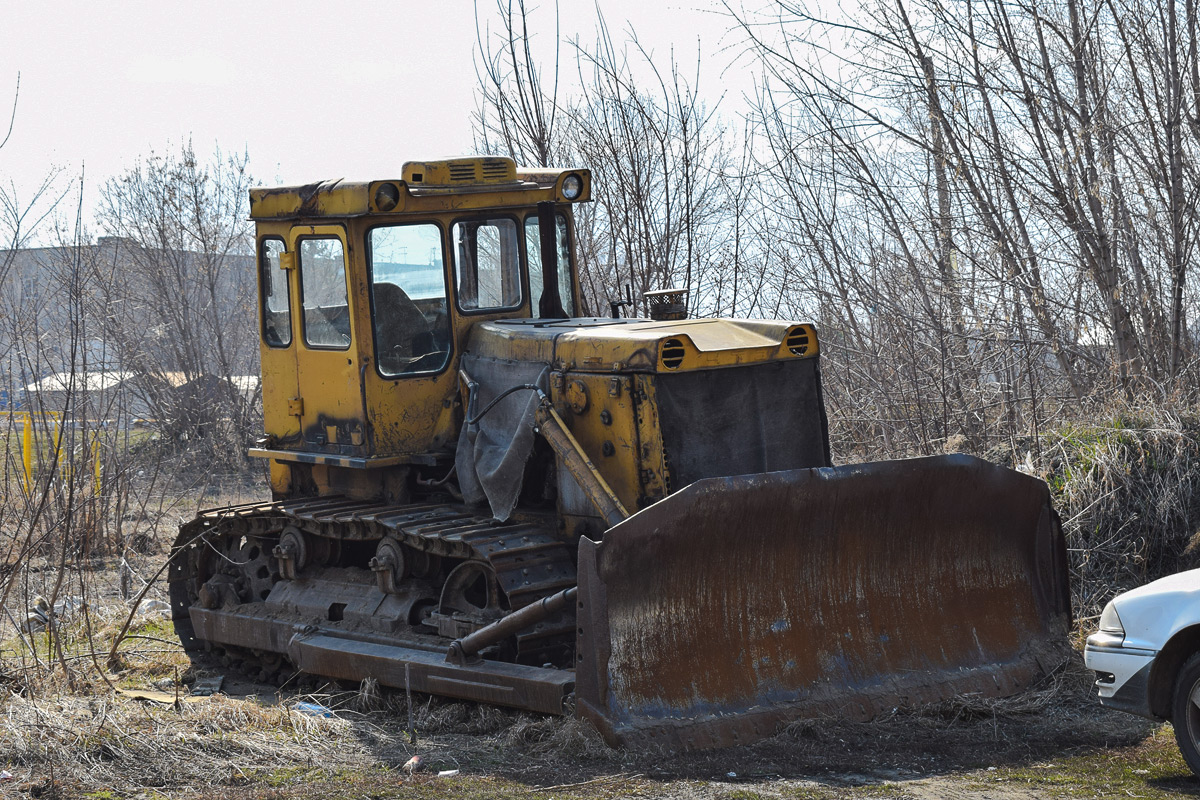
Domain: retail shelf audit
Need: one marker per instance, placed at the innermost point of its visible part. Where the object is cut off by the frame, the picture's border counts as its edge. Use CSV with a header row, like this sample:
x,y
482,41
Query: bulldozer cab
x,y
368,292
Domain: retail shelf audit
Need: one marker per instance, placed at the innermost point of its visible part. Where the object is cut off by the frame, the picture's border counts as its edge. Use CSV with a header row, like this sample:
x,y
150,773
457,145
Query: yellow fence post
x,y
27,449
64,468
52,425
96,463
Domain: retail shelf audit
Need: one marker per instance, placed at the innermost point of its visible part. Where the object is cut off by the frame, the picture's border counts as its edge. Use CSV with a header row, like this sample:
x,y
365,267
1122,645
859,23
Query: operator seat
x,y
400,328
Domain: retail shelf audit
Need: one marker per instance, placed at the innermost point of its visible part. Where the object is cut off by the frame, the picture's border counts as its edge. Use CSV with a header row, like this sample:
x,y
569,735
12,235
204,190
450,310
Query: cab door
x,y
278,339
328,398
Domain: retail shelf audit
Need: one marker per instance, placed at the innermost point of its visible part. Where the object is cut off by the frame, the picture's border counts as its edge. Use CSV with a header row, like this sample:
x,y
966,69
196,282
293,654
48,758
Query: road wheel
x,y
1185,712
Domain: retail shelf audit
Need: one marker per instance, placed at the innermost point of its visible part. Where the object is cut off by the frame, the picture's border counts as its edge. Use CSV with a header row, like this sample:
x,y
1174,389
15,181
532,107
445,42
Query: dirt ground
x,y
256,741
1069,748
87,735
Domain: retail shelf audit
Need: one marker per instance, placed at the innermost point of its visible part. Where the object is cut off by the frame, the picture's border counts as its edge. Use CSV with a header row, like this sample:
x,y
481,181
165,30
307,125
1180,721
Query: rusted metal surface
x,y
466,647
323,652
739,603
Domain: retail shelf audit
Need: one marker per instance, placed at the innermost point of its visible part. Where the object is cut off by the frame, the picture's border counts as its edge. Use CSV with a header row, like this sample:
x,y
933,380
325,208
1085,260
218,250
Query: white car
x,y
1147,656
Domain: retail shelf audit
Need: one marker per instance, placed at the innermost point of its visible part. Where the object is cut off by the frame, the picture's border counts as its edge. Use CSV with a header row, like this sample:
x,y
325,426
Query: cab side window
x,y
487,264
533,250
322,265
408,299
276,299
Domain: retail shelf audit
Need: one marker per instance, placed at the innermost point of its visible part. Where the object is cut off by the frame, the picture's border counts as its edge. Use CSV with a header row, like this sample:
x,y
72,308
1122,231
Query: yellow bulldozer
x,y
481,494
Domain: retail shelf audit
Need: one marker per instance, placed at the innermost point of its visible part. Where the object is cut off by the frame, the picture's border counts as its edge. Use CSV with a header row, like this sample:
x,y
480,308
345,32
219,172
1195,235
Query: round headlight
x,y
387,195
572,186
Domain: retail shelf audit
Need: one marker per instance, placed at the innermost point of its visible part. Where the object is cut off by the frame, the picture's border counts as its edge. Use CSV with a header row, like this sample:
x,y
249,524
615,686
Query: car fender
x,y
1152,614
1166,666
1163,616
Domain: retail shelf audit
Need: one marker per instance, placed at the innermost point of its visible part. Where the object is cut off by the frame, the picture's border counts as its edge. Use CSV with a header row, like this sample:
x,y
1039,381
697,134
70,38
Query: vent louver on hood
x,y
460,171
672,353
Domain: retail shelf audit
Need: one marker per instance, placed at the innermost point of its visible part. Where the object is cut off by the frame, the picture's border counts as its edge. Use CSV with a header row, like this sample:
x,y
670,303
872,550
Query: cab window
x,y
323,292
276,302
408,299
533,249
487,264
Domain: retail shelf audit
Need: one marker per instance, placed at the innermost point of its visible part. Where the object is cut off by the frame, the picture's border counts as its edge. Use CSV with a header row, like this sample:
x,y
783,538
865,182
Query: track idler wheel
x,y
234,570
471,598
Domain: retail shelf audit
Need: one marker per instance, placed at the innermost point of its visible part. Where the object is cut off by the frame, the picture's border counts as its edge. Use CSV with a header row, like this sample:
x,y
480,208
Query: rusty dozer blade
x,y
738,604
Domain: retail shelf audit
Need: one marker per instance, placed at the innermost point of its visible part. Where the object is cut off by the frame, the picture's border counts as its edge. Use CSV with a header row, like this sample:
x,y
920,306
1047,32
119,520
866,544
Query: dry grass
x,y
256,746
92,740
100,742
69,722
1128,493
66,719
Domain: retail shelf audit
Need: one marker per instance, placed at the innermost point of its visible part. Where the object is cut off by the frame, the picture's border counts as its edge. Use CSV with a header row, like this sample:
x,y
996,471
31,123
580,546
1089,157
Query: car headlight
x,y
1110,623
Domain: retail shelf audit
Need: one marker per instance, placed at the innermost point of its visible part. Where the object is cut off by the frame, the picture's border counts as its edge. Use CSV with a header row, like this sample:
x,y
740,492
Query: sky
x,y
312,91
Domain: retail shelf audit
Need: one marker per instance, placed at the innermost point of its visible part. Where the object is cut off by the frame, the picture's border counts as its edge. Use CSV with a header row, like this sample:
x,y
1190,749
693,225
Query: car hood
x,y
1186,582
1151,614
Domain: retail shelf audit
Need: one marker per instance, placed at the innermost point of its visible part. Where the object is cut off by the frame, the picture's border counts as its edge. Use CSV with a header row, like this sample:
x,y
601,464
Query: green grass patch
x,y
1152,769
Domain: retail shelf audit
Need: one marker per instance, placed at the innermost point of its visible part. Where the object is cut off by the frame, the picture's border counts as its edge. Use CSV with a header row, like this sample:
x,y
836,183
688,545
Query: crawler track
x,y
235,544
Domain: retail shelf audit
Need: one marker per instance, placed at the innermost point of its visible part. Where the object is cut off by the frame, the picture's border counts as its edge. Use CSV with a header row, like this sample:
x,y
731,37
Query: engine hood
x,y
600,344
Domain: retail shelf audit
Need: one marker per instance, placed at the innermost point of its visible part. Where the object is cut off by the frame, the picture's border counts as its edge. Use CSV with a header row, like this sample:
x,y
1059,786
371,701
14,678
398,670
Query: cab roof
x,y
476,182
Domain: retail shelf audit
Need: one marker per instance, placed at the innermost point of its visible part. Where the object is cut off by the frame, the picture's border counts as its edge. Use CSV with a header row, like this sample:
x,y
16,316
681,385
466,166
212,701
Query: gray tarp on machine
x,y
491,454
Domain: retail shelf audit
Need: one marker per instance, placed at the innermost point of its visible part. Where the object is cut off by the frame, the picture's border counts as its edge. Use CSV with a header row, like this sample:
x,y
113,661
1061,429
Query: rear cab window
x,y
276,295
533,250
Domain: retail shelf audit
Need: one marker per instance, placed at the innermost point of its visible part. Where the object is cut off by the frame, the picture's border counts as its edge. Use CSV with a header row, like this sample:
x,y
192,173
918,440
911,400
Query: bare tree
x,y
1009,190
658,155
517,113
177,289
